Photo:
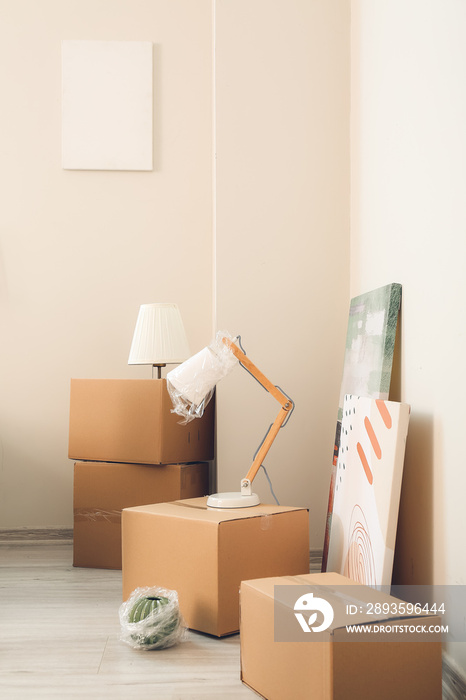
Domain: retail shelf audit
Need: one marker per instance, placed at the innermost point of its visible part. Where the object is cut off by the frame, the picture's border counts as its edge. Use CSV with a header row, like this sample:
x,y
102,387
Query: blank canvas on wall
x,y
107,105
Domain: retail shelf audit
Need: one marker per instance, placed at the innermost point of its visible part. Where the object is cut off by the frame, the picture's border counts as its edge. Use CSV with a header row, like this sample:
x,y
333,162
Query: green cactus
x,y
157,631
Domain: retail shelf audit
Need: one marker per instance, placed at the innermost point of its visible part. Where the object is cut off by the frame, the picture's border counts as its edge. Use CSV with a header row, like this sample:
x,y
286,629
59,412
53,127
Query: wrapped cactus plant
x,y
151,619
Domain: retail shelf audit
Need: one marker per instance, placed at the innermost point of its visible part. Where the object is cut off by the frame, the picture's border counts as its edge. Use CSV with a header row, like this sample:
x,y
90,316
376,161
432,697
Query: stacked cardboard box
x,y
129,450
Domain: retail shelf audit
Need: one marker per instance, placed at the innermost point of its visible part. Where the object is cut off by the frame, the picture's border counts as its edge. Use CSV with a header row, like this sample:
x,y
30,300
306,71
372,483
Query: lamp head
x,y
191,385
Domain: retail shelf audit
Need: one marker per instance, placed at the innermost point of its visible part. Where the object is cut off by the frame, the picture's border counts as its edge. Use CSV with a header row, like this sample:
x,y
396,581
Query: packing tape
x,y
265,521
97,515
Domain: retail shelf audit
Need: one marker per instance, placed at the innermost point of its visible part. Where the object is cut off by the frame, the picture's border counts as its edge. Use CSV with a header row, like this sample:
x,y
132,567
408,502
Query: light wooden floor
x,y
59,635
59,632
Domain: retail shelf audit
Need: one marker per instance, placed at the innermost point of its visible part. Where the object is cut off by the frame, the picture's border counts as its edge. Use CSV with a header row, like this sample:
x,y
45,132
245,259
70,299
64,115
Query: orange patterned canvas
x,y
367,489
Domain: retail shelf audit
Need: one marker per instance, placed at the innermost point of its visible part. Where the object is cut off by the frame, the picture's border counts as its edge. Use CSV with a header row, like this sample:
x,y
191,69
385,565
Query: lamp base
x,y
233,499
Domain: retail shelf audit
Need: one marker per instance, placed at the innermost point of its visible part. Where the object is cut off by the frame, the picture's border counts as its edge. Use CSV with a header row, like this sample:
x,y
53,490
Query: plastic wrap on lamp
x,y
191,385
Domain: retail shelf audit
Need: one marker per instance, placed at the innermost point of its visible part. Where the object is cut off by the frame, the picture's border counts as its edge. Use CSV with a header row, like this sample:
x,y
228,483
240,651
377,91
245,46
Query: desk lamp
x,y
191,386
159,337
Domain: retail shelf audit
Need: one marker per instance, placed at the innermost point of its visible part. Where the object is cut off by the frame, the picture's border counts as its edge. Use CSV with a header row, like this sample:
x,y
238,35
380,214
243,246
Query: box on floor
x,y
102,490
334,669
131,420
204,553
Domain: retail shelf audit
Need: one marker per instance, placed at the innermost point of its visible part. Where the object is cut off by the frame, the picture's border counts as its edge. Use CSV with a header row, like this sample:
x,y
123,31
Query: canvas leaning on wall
x,y
367,489
367,367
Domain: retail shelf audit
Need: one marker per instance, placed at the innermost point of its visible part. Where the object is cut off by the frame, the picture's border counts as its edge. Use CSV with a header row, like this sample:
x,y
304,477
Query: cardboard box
x,y
204,553
335,669
102,490
130,420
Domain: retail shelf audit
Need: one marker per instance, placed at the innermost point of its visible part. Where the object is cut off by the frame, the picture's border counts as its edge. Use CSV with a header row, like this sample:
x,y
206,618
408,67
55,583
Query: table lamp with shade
x,y
191,385
159,337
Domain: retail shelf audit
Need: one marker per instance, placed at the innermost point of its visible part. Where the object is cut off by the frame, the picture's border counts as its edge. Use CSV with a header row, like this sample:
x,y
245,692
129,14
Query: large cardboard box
x,y
336,668
130,420
102,490
204,553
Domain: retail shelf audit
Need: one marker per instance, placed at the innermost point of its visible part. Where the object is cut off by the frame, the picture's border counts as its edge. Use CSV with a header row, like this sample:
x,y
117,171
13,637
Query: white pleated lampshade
x,y
159,337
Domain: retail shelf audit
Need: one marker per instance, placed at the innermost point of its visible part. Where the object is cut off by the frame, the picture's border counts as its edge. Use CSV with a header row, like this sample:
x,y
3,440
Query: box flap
x,y
368,605
196,509
267,585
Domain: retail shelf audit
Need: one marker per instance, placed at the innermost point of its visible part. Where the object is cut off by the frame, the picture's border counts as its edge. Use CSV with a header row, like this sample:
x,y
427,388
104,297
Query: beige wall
x,y
260,246
282,144
80,251
408,223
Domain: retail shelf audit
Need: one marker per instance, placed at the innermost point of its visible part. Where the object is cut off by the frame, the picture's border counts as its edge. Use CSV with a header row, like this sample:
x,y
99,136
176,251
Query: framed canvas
x,y
367,367
367,489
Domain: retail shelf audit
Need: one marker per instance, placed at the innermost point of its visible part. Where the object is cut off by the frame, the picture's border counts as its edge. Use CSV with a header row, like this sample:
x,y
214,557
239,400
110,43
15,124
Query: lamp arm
x,y
256,373
286,403
267,443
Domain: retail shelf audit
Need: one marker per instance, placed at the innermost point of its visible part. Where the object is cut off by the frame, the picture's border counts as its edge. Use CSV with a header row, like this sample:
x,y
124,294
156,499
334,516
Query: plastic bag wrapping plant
x,y
191,385
151,619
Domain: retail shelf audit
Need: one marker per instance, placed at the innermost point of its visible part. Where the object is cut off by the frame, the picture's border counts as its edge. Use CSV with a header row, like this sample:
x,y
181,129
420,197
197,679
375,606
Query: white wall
x,y
80,251
282,232
408,224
